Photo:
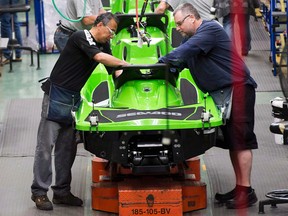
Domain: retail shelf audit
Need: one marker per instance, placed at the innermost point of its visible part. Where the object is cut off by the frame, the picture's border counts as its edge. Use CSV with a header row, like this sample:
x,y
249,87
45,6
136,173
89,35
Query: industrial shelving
x,y
275,19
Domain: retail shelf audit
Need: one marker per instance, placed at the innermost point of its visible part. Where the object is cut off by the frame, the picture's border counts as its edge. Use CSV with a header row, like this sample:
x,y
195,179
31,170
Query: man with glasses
x,y
83,52
75,9
112,32
203,6
217,69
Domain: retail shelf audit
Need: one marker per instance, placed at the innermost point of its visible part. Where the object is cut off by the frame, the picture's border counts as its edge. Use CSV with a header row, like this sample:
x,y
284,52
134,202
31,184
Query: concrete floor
x,y
21,86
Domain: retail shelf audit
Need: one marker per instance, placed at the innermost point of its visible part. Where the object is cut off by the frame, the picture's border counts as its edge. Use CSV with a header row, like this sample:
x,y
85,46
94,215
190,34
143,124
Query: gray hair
x,y
187,9
105,18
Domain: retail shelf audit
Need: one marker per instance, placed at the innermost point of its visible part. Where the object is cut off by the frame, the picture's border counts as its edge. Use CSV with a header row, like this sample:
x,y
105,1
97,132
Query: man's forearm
x,y
89,20
162,7
109,60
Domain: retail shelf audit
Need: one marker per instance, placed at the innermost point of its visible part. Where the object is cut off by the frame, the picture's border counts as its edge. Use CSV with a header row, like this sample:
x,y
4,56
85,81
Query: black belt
x,y
65,29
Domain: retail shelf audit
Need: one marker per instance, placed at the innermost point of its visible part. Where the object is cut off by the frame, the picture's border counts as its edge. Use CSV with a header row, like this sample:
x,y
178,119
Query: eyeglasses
x,y
178,24
112,33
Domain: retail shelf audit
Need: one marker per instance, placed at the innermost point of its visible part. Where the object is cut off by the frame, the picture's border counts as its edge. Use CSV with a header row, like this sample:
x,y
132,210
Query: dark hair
x,y
187,9
105,18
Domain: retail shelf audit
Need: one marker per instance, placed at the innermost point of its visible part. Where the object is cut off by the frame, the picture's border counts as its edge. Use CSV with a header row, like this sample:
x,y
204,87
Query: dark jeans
x,y
6,28
60,38
245,34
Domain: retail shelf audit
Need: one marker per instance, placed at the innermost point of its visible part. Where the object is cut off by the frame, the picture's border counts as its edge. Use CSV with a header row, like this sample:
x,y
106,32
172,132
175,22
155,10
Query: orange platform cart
x,y
116,190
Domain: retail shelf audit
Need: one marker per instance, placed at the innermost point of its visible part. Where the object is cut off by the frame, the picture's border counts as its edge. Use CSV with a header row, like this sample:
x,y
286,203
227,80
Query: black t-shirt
x,y
76,63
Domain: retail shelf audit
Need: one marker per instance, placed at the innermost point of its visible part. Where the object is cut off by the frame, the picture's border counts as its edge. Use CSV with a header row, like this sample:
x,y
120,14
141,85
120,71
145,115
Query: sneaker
x,y
69,199
17,59
242,200
223,198
42,202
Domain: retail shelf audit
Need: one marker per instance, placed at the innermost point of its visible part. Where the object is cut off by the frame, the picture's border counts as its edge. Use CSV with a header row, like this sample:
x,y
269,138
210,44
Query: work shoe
x,y
69,199
42,202
242,200
223,198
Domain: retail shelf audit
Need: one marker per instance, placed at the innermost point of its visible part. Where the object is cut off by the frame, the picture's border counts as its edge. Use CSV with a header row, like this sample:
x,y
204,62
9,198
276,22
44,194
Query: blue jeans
x,y
60,39
6,27
245,34
227,25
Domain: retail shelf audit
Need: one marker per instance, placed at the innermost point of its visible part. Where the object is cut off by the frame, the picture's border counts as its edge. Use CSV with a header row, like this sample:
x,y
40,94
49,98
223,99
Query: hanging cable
x,y
137,18
143,10
67,18
143,34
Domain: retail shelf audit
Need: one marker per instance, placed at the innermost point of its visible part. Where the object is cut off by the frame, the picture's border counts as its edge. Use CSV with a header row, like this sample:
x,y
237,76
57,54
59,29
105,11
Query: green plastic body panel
x,y
133,95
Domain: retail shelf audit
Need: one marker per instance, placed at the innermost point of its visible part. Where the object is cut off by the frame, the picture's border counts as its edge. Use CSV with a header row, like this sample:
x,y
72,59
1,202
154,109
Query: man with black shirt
x,y
83,52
